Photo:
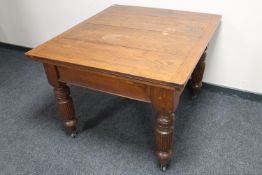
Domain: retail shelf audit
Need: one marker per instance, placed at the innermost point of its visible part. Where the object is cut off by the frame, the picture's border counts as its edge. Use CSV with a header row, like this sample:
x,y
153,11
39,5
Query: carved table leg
x,y
164,102
197,76
66,107
65,102
164,138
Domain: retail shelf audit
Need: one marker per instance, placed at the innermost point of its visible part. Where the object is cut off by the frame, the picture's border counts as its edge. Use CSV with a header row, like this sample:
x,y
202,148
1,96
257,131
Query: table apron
x,y
105,83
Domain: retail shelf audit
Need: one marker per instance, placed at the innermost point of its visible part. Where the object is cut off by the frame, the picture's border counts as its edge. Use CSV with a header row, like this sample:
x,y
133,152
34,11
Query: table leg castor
x,y
163,167
73,134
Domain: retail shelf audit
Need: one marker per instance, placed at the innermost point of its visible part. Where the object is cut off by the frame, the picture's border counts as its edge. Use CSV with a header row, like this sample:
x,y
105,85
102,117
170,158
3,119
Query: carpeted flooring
x,y
215,133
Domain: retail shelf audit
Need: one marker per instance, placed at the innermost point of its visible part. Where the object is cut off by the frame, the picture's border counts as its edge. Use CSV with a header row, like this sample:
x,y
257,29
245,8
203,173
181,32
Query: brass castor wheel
x,y
163,167
73,134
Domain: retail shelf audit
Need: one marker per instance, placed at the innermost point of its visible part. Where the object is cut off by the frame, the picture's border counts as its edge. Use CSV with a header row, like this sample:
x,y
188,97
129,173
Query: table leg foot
x,y
66,108
197,76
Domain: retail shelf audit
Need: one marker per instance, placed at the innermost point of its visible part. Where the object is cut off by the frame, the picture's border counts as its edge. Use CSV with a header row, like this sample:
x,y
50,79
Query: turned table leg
x,y
64,100
197,76
165,102
164,138
66,107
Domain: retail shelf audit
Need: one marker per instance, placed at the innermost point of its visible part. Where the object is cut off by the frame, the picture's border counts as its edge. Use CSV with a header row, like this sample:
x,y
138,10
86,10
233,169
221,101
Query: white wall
x,y
235,53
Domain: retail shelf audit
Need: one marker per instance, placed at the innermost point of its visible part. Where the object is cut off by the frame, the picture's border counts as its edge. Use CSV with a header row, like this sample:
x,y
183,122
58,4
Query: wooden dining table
x,y
145,54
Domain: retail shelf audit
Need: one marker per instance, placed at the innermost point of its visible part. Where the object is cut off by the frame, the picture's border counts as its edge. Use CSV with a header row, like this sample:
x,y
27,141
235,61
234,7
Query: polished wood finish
x,y
146,54
134,42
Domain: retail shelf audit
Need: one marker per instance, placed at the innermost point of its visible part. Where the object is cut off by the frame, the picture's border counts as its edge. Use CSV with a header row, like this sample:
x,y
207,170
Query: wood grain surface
x,y
155,45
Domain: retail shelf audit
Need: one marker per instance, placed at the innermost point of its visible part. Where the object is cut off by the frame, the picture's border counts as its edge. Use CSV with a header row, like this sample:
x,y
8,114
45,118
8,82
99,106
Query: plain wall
x,y
234,56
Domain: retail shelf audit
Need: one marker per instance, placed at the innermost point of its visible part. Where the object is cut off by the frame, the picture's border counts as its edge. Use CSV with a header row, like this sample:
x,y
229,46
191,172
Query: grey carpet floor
x,y
215,133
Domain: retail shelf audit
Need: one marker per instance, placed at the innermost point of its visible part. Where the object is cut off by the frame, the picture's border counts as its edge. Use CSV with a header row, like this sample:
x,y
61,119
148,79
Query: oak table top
x,y
149,44
145,54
